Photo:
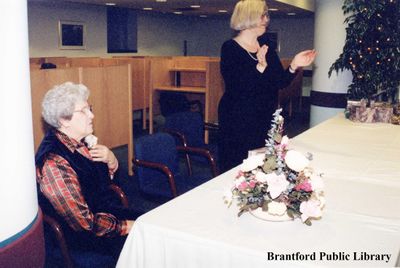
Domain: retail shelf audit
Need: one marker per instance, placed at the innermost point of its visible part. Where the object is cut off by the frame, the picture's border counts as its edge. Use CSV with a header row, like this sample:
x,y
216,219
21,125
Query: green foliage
x,y
372,48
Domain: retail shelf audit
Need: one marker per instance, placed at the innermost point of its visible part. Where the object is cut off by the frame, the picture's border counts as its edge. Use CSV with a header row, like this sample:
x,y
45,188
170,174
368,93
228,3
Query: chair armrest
x,y
162,168
121,195
181,137
203,152
57,230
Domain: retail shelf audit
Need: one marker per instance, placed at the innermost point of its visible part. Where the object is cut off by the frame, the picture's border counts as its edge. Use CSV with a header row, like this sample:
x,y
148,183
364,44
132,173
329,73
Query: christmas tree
x,y
372,48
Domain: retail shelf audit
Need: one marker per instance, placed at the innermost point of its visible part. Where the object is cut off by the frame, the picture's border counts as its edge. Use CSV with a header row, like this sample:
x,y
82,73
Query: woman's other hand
x,y
101,153
303,59
262,59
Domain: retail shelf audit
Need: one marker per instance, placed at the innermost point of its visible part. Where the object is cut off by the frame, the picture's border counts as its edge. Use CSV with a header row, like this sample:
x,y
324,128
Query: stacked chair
x,y
157,167
188,129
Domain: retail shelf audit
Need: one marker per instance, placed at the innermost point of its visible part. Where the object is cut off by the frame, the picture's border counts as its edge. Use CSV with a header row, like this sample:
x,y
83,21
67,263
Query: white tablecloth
x,y
361,166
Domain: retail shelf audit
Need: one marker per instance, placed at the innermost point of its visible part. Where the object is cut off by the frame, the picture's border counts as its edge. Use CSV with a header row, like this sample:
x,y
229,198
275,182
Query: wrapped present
x,y
360,111
396,114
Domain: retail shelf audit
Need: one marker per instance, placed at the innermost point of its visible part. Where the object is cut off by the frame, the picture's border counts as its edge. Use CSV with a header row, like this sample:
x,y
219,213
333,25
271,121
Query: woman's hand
x,y
129,226
262,59
303,59
101,153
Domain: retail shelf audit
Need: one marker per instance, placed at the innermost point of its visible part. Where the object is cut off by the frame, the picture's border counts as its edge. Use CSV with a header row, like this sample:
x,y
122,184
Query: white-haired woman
x,y
74,179
253,74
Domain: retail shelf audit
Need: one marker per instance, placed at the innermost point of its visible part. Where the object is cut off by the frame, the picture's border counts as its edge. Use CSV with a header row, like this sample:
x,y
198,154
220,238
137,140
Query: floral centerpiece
x,y
278,183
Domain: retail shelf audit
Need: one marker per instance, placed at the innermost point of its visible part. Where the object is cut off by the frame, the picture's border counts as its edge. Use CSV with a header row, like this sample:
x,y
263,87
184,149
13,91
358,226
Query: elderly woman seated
x,y
74,179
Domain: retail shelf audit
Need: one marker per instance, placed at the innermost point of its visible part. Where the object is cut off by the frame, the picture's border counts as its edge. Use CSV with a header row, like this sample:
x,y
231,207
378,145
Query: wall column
x,y
328,95
21,233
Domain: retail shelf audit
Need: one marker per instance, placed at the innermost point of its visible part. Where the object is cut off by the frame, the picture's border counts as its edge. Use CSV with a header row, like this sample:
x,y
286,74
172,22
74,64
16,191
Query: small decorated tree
x,y
372,48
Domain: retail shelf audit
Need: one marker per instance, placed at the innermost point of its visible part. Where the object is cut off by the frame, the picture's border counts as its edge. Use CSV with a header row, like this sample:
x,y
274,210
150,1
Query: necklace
x,y
251,56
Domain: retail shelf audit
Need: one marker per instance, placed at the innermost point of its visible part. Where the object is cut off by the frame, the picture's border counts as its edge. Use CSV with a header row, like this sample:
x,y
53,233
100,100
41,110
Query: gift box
x,y
360,111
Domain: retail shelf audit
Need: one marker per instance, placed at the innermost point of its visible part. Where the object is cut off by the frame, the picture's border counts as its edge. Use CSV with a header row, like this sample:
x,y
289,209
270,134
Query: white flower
x,y
296,161
276,184
262,177
252,162
276,208
91,140
310,208
285,140
308,172
317,183
320,197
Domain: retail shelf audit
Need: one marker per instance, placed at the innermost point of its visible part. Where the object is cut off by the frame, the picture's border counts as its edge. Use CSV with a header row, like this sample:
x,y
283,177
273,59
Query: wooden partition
x,y
199,77
85,62
110,95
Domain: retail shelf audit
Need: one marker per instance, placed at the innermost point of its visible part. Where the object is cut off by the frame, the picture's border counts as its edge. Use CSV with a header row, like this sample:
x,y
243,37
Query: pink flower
x,y
252,184
305,186
310,208
242,186
283,144
276,184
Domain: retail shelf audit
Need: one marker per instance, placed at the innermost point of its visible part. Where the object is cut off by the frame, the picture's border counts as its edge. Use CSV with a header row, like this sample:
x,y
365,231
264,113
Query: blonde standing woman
x,y
253,74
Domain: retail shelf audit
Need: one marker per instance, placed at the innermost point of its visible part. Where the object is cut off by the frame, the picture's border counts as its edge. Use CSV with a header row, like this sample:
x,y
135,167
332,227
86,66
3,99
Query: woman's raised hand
x,y
101,153
303,59
262,59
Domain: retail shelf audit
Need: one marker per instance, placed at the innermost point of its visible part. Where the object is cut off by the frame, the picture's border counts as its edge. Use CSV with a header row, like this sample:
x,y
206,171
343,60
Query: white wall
x,y
158,34
43,29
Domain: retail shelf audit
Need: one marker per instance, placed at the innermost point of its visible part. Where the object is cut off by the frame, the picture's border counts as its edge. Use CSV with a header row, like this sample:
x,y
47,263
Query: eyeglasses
x,y
265,14
86,110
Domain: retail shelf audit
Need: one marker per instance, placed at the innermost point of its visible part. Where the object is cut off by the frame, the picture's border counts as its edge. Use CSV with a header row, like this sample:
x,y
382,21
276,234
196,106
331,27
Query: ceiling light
x,y
110,4
273,9
195,6
161,0
147,8
291,14
222,11
177,12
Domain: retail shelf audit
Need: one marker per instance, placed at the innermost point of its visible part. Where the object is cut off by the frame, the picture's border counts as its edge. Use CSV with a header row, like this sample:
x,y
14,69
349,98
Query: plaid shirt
x,y
60,185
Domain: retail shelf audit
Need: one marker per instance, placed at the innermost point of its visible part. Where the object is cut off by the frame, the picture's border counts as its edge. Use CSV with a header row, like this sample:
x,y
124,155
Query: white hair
x,y
59,102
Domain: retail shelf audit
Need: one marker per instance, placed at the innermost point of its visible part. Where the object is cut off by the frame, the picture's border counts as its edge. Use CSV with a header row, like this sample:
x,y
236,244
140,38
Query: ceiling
x,y
208,8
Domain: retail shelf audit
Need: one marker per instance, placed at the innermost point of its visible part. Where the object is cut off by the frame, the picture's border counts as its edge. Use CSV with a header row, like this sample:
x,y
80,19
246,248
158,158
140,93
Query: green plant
x,y
372,48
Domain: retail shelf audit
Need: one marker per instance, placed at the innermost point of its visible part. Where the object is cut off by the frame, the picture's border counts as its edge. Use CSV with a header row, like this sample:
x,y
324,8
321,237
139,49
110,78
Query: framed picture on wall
x,y
71,35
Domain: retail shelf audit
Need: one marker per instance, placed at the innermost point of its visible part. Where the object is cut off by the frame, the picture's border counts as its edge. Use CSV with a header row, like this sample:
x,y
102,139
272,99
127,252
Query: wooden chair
x,y
70,258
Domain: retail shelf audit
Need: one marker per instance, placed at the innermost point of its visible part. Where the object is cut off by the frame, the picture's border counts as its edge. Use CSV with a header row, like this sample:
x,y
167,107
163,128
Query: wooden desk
x,y
204,79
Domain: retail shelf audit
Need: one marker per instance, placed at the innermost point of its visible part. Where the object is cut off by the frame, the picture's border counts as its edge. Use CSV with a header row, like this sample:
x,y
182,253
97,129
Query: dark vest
x,y
94,180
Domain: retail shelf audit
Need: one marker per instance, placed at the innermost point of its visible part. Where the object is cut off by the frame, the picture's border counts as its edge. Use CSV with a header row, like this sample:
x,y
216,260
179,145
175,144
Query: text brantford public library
x,y
329,256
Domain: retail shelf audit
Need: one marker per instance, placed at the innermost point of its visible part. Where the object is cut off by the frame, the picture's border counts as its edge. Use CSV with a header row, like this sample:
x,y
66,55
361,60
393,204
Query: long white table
x,y
361,166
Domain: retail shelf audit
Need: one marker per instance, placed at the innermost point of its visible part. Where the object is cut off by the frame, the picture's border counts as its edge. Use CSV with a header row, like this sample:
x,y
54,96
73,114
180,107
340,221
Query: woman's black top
x,y
249,100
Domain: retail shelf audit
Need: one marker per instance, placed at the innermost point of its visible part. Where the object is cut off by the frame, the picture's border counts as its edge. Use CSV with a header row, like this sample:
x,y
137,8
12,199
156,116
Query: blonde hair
x,y
247,14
